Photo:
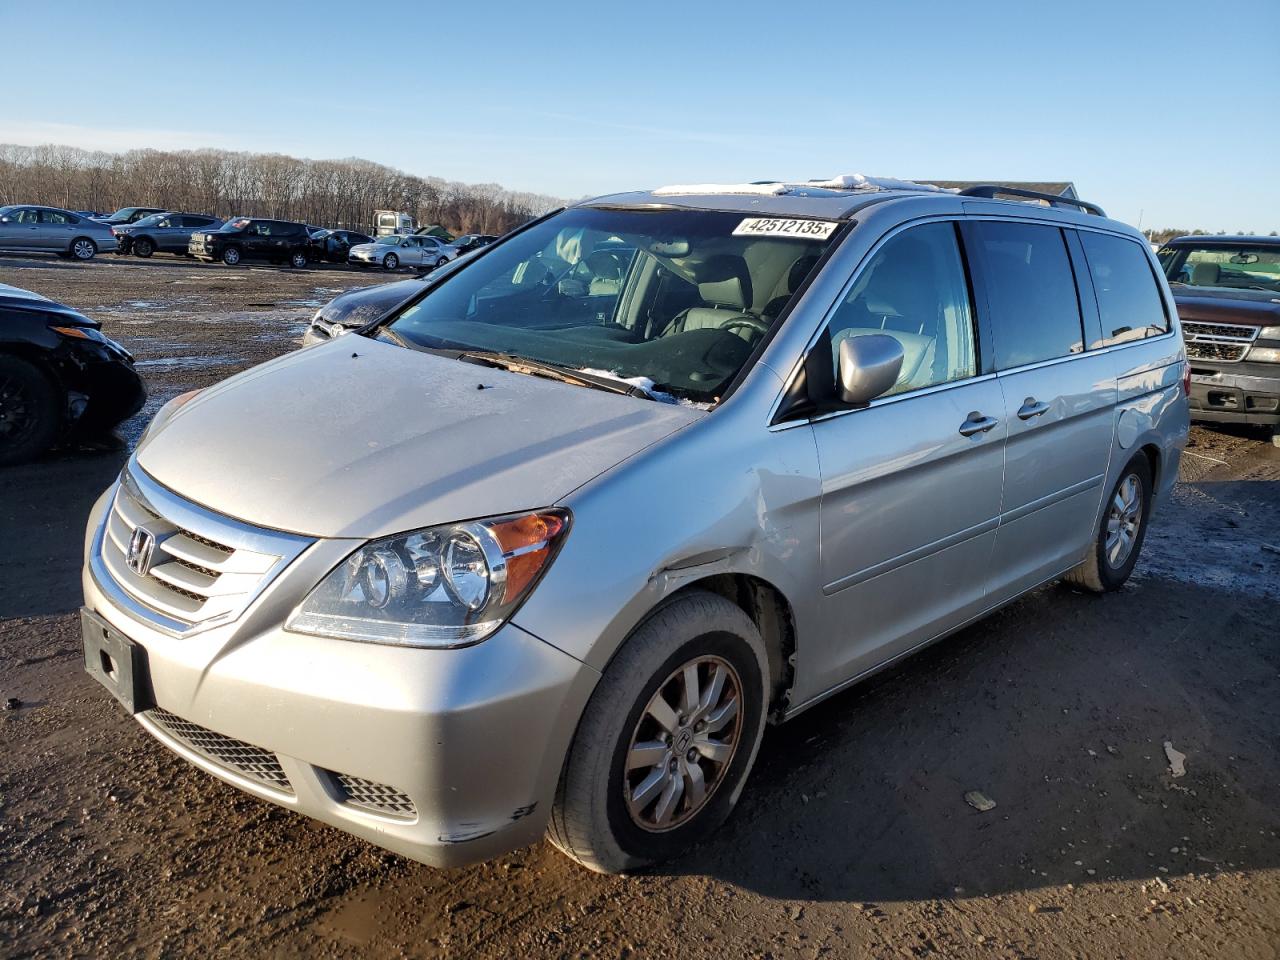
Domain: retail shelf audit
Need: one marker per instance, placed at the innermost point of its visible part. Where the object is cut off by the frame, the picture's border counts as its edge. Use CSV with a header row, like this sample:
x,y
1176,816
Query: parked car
x,y
1228,295
252,238
394,252
33,229
130,215
586,543
59,376
473,241
333,246
162,232
356,308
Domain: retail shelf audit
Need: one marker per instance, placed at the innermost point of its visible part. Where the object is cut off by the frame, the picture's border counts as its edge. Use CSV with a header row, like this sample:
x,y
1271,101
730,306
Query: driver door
x,y
911,483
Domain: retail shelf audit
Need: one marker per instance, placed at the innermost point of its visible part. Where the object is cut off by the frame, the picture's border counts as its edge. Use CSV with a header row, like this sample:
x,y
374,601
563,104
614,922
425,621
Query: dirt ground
x,y
853,837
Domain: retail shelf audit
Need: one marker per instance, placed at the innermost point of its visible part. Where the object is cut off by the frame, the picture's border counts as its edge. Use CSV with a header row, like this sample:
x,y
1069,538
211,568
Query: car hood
x,y
1254,308
360,438
358,307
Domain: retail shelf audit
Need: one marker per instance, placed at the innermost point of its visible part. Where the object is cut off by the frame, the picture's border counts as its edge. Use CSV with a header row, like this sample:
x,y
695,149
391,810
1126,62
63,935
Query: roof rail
x,y
989,191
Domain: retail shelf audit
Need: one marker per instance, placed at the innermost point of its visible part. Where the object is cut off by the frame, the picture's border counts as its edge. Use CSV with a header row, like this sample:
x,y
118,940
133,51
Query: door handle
x,y
1031,408
977,423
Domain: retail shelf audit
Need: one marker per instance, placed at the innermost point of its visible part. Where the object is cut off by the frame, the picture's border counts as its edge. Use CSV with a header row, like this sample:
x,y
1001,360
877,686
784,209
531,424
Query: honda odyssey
x,y
604,499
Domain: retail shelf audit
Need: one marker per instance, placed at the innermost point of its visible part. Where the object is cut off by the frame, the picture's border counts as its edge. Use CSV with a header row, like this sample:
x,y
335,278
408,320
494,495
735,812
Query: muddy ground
x,y
853,837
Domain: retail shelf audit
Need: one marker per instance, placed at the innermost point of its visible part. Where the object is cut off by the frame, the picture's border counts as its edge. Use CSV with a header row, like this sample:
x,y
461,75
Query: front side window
x,y
676,297
1031,292
1129,302
1224,266
915,290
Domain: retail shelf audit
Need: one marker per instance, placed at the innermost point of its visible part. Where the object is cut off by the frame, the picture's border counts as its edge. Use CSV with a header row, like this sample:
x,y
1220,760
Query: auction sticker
x,y
776,227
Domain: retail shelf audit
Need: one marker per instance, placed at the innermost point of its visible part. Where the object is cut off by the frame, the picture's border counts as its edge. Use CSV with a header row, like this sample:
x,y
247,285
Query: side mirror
x,y
867,366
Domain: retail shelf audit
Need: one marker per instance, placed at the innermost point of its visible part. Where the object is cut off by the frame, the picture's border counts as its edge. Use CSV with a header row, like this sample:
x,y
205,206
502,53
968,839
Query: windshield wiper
x,y
553,371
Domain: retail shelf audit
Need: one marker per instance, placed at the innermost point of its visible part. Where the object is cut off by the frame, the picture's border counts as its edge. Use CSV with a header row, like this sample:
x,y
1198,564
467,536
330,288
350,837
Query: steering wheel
x,y
751,323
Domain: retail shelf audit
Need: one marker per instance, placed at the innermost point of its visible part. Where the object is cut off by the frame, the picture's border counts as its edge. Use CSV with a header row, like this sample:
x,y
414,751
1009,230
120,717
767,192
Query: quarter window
x,y
1129,302
1031,292
914,289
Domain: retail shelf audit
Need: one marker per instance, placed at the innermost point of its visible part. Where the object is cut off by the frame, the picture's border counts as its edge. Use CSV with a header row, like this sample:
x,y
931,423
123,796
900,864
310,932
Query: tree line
x,y
326,193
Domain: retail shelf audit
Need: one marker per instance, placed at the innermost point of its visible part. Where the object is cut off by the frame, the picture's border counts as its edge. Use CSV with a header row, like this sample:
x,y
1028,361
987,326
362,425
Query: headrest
x,y
725,281
799,270
1205,274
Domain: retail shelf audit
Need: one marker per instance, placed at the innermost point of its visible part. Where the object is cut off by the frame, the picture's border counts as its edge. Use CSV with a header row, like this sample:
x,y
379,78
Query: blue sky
x,y
577,98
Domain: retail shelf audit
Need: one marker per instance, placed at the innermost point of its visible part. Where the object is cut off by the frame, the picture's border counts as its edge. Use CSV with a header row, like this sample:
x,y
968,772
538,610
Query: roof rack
x,y
989,191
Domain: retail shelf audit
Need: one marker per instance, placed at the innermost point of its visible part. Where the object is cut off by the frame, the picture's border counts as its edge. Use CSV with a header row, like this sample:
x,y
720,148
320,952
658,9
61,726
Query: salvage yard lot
x,y
853,836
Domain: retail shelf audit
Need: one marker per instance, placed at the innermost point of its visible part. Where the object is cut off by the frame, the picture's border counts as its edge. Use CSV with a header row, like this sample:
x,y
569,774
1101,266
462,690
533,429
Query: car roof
x,y
838,198
1233,240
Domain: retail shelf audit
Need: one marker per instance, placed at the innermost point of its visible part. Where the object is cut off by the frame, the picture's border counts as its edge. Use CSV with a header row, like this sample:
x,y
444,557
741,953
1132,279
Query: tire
x,y
82,248
440,263
30,407
390,262
593,819
298,259
1100,573
231,256
143,247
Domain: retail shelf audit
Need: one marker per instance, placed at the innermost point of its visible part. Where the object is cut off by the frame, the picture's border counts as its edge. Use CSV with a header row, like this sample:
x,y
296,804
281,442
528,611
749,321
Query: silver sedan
x,y
394,252
32,229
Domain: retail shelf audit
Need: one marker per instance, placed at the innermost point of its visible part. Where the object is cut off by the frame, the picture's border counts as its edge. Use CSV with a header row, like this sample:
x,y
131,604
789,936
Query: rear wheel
x,y
143,247
231,256
665,744
1120,532
390,262
29,410
82,248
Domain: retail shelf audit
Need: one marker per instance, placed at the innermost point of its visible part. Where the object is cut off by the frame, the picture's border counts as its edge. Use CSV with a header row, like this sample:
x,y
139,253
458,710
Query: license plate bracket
x,y
116,662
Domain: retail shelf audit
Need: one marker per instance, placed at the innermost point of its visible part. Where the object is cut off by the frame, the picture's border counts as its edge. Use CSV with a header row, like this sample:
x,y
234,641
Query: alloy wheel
x,y
1124,517
17,411
683,744
83,249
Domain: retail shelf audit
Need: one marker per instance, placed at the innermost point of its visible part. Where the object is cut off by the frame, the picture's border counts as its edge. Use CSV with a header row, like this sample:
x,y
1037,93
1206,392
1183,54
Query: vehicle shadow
x,y
1057,709
43,509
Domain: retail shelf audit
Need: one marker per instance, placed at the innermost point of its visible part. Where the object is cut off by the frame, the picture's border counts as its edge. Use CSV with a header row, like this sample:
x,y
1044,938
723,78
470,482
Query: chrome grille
x,y
1223,342
204,568
374,796
243,758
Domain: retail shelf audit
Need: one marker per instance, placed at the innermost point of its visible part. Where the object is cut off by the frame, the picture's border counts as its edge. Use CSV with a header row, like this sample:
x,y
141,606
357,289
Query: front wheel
x,y
82,248
390,262
665,744
298,259
29,410
1121,530
231,256
142,247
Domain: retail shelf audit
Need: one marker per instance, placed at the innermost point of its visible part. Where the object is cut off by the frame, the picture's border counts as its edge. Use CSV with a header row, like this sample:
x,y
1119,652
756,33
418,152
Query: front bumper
x,y
468,743
1235,392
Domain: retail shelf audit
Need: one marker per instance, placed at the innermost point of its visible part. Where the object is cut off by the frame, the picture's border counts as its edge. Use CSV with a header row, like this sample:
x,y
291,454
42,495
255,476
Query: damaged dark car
x,y
60,378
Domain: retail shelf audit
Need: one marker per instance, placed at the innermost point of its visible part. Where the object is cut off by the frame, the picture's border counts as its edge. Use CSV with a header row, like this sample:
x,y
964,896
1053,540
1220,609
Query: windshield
x,y
1224,266
234,226
149,221
679,298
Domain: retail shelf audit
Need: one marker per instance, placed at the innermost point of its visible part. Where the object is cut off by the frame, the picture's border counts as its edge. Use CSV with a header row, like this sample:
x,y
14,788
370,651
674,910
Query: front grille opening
x,y
1222,342
253,763
373,796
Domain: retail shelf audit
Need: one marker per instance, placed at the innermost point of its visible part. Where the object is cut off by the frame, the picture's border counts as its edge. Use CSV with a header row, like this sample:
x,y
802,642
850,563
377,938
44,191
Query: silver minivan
x,y
641,477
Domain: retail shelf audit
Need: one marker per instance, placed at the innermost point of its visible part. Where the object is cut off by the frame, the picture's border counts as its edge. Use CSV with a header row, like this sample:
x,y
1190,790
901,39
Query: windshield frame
x,y
833,243
1173,261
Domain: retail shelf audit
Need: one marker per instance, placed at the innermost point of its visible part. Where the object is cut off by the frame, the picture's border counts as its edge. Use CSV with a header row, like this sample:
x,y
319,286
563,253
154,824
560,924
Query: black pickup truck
x,y
253,238
1228,295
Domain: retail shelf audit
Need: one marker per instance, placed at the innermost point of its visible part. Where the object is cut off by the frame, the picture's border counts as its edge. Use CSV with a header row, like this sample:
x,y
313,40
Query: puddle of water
x,y
186,363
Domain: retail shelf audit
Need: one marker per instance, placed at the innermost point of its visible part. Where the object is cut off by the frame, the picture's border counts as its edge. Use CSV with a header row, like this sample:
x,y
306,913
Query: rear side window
x,y
1031,292
1129,302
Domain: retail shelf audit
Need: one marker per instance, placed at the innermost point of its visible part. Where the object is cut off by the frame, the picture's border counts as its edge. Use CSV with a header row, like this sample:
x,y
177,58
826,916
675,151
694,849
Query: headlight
x,y
1264,354
81,333
445,586
1269,333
